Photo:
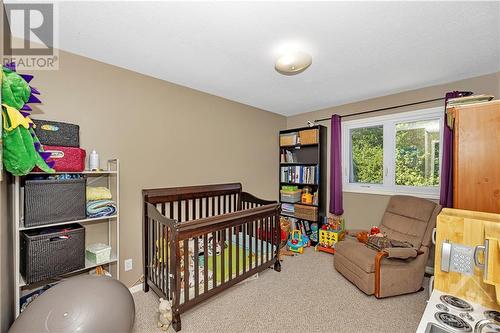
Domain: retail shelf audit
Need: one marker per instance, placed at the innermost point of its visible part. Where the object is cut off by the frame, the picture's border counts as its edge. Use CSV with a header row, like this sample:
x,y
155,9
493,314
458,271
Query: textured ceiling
x,y
360,49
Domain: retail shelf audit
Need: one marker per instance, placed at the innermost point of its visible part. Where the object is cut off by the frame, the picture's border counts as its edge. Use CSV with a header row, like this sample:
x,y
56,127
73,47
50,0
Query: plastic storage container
x,y
308,137
50,252
49,201
55,133
98,253
67,159
290,196
288,139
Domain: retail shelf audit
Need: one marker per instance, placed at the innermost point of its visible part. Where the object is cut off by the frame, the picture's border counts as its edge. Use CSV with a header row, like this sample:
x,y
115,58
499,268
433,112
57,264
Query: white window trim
x,y
388,187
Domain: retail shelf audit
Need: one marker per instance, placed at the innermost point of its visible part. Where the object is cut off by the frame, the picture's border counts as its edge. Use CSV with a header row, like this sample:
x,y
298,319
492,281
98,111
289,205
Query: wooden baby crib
x,y
201,240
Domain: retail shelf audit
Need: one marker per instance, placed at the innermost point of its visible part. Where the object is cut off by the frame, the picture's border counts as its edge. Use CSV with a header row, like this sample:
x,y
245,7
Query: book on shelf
x,y
299,174
288,156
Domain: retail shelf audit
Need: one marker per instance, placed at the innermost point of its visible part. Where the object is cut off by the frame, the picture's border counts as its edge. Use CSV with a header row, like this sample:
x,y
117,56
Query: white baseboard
x,y
136,288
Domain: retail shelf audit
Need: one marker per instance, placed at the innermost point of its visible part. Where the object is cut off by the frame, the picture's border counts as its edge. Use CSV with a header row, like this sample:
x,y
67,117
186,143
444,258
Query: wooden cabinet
x,y
477,157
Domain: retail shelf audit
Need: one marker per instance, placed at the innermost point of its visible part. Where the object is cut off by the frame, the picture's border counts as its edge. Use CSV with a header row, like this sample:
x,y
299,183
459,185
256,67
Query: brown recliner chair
x,y
394,271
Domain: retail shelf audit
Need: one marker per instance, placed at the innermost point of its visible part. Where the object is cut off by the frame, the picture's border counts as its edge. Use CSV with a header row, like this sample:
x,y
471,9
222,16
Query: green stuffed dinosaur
x,y
22,150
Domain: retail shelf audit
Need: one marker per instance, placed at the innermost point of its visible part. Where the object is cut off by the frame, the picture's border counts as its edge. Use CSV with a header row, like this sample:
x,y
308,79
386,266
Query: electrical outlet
x,y
128,265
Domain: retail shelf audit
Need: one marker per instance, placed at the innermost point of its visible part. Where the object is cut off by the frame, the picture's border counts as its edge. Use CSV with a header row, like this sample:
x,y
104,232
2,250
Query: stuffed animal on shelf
x,y
22,150
165,314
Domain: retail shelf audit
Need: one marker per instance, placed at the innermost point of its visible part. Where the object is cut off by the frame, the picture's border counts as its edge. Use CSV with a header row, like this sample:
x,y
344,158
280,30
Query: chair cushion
x,y
407,219
358,254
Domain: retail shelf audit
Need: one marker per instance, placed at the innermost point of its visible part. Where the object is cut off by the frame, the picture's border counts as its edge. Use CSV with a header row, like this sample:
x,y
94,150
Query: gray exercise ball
x,y
83,304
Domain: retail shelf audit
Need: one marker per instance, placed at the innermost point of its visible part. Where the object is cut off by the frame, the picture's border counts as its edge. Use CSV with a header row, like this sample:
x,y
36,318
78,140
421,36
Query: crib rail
x,y
196,245
250,201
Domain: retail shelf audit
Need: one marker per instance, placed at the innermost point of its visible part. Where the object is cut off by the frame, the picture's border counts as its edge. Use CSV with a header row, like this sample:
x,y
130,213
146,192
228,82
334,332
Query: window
x,y
394,154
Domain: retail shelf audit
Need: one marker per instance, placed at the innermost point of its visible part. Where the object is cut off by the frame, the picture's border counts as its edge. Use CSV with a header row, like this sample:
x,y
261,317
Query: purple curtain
x,y
446,191
336,202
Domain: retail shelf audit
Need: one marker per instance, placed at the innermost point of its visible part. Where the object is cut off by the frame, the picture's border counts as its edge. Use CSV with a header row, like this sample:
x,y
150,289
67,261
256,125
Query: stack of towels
x,y
99,202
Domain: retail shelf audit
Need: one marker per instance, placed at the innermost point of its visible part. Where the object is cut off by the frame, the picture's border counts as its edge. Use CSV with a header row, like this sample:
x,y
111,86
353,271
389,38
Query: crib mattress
x,y
250,251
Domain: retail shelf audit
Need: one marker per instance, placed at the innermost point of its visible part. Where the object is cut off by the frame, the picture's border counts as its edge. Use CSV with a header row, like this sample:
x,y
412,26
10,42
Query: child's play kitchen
x,y
466,295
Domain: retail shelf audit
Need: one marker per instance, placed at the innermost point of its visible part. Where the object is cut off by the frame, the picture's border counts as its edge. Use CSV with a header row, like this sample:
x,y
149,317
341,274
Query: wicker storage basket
x,y
290,196
54,133
49,252
306,212
289,139
53,201
308,137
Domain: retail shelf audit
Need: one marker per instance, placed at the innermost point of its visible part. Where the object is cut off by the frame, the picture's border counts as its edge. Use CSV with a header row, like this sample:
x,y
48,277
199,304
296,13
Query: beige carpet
x,y
307,296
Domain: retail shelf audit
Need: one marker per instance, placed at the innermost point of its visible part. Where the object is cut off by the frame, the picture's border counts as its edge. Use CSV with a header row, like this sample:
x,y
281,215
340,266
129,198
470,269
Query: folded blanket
x,y
100,208
98,193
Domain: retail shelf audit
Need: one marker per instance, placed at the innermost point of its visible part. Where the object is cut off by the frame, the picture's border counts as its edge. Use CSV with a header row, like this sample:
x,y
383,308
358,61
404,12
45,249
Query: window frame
x,y
388,185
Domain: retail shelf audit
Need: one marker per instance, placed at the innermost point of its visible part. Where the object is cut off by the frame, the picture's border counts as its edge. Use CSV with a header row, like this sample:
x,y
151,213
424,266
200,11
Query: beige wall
x,y
164,135
365,210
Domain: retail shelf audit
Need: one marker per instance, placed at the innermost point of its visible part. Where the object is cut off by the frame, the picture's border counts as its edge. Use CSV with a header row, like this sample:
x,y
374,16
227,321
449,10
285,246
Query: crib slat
x,y
205,262
179,210
206,207
152,254
155,251
230,244
167,259
162,256
200,209
186,210
219,212
214,258
264,239
252,235
244,233
196,268
224,204
212,199
262,232
222,237
255,243
269,236
193,210
186,271
237,232
176,268
171,210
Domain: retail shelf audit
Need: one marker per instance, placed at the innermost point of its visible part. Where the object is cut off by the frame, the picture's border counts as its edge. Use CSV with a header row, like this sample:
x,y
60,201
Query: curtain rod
x,y
383,109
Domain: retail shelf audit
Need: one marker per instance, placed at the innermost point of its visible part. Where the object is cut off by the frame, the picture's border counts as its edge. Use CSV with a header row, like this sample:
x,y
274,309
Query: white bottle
x,y
94,160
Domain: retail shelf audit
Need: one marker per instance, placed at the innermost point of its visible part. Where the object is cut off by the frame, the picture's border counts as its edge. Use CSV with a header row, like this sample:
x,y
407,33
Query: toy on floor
x,y
165,314
297,241
331,233
314,233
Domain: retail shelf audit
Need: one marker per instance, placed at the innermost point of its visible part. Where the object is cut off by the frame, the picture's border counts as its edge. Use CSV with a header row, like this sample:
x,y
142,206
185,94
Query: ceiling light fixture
x,y
292,63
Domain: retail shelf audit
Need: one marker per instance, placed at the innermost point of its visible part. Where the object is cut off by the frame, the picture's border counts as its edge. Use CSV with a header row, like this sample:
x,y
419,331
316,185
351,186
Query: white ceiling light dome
x,y
292,63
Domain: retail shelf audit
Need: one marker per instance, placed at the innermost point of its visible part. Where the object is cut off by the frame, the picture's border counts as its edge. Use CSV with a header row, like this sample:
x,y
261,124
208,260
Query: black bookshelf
x,y
307,155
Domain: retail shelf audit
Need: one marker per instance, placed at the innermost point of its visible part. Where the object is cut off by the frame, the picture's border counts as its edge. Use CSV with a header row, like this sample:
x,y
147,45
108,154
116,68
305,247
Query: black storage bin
x,y
50,201
50,252
54,133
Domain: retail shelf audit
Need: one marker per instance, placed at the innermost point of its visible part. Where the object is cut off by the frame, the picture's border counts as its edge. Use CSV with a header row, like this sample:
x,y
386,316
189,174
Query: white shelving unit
x,y
112,177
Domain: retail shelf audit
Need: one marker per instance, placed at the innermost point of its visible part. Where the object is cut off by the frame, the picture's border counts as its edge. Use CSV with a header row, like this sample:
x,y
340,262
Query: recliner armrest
x,y
402,252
